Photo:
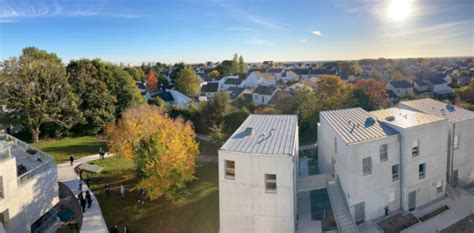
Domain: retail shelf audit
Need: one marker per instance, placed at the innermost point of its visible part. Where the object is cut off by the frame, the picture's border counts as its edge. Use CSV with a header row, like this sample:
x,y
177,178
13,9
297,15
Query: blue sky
x,y
212,30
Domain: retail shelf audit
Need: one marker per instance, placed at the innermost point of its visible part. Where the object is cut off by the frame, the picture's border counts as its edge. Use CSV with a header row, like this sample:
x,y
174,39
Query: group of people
x,y
87,200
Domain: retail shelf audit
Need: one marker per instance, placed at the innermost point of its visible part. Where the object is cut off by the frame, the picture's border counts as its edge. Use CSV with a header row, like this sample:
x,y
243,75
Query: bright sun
x,y
399,10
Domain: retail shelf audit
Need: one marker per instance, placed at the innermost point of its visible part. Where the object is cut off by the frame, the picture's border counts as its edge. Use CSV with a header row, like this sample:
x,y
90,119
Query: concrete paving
x,y
93,221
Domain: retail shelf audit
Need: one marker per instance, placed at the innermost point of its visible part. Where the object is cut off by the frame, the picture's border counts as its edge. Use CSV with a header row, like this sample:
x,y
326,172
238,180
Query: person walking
x,y
122,191
101,153
88,182
88,199
71,159
387,211
80,185
82,201
80,173
107,190
125,229
141,196
114,229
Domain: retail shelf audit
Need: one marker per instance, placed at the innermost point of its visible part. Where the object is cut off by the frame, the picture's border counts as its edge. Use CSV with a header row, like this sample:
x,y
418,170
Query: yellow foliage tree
x,y
164,150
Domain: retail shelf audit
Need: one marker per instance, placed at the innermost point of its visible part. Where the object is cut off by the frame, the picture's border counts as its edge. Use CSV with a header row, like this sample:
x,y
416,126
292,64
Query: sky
x,y
195,31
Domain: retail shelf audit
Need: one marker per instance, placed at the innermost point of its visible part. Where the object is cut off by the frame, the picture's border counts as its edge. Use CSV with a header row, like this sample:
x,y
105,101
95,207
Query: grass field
x,y
62,148
196,212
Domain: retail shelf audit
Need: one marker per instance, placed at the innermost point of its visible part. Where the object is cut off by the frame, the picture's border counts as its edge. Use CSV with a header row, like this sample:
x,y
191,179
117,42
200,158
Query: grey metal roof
x,y
356,125
437,108
401,84
404,118
271,134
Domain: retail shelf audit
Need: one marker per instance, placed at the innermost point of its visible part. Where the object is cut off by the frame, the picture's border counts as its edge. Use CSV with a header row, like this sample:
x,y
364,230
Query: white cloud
x,y
256,41
318,34
241,29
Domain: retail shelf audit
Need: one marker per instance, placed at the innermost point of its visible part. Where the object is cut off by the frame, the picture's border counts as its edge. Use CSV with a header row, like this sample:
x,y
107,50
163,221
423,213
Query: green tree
x,y
370,94
333,93
357,69
157,102
213,74
217,134
397,76
242,68
375,74
466,93
235,64
136,73
36,87
225,68
187,81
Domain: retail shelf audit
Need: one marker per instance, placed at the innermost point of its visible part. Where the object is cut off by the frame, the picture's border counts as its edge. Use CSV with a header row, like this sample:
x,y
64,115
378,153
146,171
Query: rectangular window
x,y
421,171
270,183
439,186
2,192
4,218
456,141
229,169
415,148
367,166
395,172
335,145
383,153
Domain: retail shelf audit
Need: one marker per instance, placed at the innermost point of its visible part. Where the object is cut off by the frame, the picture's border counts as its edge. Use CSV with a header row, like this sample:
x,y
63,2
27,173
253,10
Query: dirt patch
x,y
465,225
397,222
434,213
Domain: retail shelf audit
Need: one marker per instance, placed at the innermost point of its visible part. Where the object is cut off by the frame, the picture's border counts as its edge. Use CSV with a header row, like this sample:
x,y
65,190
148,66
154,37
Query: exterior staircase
x,y
344,220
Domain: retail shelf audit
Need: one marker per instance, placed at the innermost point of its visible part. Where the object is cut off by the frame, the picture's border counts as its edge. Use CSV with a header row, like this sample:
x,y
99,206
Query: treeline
x,y
51,99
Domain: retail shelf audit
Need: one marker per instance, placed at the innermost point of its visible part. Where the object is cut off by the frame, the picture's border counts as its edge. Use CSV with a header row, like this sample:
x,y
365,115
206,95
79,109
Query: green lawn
x,y
196,212
207,148
62,148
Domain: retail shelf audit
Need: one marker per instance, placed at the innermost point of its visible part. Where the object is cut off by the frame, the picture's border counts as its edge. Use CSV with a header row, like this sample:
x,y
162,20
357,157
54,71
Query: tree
x,y
242,69
95,101
235,65
217,133
36,87
466,93
370,94
151,81
225,68
157,102
187,81
136,73
164,150
357,69
397,76
213,74
333,93
375,74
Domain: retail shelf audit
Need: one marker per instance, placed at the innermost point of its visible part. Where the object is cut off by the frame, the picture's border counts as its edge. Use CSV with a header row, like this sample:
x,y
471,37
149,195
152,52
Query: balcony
x,y
30,161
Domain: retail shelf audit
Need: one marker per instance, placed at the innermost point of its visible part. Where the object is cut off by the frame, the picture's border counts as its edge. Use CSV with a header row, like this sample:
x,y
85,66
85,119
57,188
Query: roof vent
x,y
248,131
450,107
390,118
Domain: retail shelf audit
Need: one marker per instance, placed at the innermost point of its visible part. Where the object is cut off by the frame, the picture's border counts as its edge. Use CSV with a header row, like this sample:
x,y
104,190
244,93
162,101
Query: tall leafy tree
x,y
187,81
36,87
375,74
164,150
136,73
357,69
151,81
235,64
213,74
333,93
397,76
242,68
370,94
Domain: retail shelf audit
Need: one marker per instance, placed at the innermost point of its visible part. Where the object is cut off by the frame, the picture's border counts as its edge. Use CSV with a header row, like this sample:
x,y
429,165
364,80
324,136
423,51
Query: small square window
x,y
270,183
415,148
383,153
422,171
456,142
229,169
367,166
395,172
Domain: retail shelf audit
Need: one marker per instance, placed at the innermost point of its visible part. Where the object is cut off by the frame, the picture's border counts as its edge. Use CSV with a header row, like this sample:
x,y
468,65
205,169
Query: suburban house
x,y
209,89
142,87
263,94
401,88
420,85
28,188
235,81
235,92
461,137
258,168
257,78
276,72
384,158
463,81
438,86
173,98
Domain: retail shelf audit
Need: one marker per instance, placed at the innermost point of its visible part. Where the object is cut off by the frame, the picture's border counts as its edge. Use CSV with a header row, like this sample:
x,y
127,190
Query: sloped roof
x,y
264,90
270,134
440,109
436,81
210,87
266,76
401,84
235,92
355,125
233,81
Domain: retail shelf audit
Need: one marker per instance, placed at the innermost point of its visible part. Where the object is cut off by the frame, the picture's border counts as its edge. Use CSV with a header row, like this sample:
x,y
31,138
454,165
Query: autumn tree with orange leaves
x,y
370,94
164,150
151,81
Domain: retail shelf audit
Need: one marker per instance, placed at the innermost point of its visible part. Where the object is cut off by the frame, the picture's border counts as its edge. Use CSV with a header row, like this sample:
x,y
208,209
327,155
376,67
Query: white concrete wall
x,y
245,206
29,201
463,157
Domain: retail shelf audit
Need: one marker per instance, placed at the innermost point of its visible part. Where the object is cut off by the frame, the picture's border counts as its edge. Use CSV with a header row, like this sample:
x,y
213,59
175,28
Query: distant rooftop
x,y
265,134
440,109
356,125
404,118
401,84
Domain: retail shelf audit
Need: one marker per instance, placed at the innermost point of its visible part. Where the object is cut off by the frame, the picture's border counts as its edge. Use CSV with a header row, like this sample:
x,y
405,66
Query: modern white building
x,y
460,155
28,188
257,176
384,158
257,78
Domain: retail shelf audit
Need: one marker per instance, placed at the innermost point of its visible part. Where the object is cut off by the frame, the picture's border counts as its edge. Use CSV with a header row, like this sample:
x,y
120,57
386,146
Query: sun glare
x,y
399,10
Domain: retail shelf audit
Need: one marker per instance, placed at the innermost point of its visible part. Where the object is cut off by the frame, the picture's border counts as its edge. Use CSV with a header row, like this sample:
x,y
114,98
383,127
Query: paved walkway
x,y
93,221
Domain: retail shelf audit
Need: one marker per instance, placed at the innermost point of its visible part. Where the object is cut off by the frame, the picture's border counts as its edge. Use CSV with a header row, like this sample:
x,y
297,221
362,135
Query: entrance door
x,y
455,177
333,162
411,200
359,212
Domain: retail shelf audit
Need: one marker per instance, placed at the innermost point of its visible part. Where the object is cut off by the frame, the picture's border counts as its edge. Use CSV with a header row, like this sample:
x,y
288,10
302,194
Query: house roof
x,y
235,92
355,125
437,108
275,70
233,81
264,90
210,87
270,134
436,81
420,82
266,76
404,118
401,84
166,96
140,85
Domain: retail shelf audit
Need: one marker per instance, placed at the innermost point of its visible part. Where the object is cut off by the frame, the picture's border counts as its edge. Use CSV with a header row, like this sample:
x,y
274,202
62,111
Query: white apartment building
x,y
384,158
257,176
28,188
460,155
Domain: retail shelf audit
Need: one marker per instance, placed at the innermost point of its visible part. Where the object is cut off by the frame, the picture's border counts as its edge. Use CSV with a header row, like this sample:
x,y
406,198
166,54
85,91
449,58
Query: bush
x,y
31,151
